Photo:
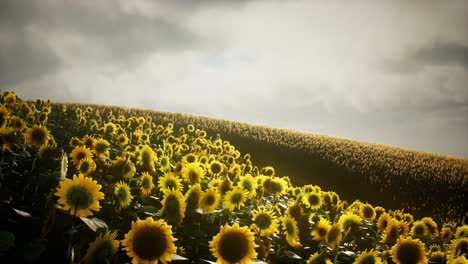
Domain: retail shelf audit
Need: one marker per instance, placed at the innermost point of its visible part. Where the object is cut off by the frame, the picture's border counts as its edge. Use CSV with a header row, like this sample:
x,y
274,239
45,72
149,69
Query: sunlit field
x,y
99,184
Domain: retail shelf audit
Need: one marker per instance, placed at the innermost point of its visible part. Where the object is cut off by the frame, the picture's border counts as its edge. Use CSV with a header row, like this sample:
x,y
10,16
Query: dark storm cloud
x,y
441,53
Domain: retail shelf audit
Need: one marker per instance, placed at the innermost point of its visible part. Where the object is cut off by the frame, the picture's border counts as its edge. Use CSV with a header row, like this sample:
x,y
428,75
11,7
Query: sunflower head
x,y
383,221
80,153
367,257
102,249
459,247
209,201
235,198
318,258
122,195
122,168
4,116
80,195
8,138
313,200
149,241
234,244
334,235
265,221
146,184
249,184
462,231
349,220
391,233
408,250
170,182
192,172
37,135
101,146
17,123
86,166
367,212
192,197
290,230
173,209
419,229
320,230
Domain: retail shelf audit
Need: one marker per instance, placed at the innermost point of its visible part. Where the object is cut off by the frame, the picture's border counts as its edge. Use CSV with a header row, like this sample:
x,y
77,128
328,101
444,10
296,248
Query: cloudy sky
x,y
392,72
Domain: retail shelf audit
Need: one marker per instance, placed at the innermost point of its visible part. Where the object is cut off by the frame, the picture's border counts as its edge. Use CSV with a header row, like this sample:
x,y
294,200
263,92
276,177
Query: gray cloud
x,y
443,54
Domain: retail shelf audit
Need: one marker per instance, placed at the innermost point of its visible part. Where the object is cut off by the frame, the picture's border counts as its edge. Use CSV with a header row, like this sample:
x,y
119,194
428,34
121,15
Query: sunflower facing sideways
x,y
289,228
149,241
80,195
122,195
209,200
37,135
173,209
102,249
233,244
146,184
264,221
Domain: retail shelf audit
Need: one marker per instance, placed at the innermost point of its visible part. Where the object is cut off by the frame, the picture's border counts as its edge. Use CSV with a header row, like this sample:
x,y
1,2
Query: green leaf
x,y
7,240
94,223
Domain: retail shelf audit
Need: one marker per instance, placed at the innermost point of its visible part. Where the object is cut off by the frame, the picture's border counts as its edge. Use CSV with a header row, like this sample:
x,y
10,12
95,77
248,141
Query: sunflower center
x,y
81,155
419,230
79,197
290,228
190,158
146,157
122,194
209,199
193,176
145,183
84,167
263,221
236,198
233,246
313,199
38,135
164,162
215,168
321,232
275,187
247,185
409,252
170,184
149,243
367,212
101,147
172,206
367,260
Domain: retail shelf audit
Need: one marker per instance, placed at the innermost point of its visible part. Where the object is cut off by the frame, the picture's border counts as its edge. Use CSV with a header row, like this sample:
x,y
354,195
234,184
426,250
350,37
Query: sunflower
x,y
348,220
147,158
8,138
391,233
74,142
86,166
419,229
215,167
209,200
312,200
192,172
192,197
4,116
164,163
88,141
235,198
17,123
249,184
264,221
80,153
462,231
408,251
146,184
431,226
334,235
149,241
383,221
37,135
110,128
366,257
190,158
277,186
318,258
122,167
446,234
320,230
122,139
436,257
367,212
295,211
268,171
170,182
122,195
289,228
224,186
101,146
80,195
173,209
458,247
459,260
9,99
233,244
102,249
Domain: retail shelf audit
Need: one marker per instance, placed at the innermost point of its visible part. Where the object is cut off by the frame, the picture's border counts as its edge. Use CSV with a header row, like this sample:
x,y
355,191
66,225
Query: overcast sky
x,y
392,72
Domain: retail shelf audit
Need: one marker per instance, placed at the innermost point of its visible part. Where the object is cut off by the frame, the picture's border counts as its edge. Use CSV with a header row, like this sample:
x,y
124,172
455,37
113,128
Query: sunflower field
x,y
92,184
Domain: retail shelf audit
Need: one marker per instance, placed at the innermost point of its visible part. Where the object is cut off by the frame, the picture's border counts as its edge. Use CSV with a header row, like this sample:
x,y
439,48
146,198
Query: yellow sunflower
x,y
277,186
383,221
408,250
149,241
459,260
462,231
264,221
366,257
318,258
122,139
209,200
289,228
312,200
170,182
80,195
431,226
4,116
295,211
334,235
459,247
146,184
320,230
249,184
80,153
110,128
233,244
74,142
86,166
235,198
348,220
147,158
101,147
192,172
190,158
164,163
419,229
391,233
446,234
17,123
102,249
173,209
122,195
8,138
37,135
88,141
367,212
268,171
192,197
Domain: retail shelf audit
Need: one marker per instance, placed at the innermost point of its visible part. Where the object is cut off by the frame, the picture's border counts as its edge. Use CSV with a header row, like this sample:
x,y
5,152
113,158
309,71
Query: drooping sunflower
x,y
122,195
149,241
264,221
209,200
86,166
313,200
334,235
102,249
80,153
37,135
173,210
320,230
249,184
408,250
80,195
368,257
431,226
446,234
146,184
268,171
74,142
459,247
122,168
235,198
192,173
170,182
289,228
233,244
